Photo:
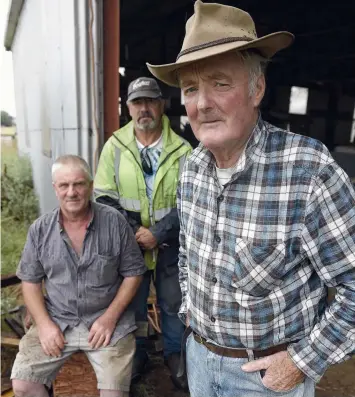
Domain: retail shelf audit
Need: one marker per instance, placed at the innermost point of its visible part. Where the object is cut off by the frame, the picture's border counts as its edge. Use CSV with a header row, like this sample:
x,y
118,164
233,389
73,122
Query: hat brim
x,y
268,46
144,94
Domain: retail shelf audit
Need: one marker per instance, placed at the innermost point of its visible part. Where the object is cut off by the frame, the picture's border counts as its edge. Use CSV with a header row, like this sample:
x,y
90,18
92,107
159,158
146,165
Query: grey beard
x,y
152,125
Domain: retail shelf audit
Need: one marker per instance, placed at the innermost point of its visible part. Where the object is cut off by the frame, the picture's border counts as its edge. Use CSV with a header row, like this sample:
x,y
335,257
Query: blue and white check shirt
x,y
257,254
153,151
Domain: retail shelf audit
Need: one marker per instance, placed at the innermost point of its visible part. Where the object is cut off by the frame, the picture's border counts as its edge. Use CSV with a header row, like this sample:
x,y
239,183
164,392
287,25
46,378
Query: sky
x,y
7,94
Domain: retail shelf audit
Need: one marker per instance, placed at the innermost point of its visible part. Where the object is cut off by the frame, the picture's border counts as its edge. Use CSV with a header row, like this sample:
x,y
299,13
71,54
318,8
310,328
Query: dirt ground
x,y
156,381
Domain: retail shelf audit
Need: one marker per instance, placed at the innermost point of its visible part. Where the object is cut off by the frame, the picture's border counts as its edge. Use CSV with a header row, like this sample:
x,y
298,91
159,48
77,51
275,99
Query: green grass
x,y
8,151
8,131
13,237
19,205
18,209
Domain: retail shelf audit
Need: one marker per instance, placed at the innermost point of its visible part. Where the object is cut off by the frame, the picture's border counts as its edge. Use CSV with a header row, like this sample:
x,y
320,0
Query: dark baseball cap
x,y
143,87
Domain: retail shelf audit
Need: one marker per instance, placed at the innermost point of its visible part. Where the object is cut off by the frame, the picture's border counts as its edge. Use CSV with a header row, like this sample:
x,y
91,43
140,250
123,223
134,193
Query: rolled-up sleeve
x,y
30,268
131,258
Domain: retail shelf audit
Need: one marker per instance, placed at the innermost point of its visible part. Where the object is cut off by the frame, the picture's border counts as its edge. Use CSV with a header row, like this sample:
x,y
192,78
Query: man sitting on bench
x,y
91,266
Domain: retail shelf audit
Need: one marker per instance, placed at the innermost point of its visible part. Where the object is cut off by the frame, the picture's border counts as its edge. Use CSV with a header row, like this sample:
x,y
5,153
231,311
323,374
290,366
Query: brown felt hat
x,y
215,29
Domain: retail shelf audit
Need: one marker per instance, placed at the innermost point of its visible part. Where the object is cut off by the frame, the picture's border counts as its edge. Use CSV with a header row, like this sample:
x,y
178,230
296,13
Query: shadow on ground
x,y
156,381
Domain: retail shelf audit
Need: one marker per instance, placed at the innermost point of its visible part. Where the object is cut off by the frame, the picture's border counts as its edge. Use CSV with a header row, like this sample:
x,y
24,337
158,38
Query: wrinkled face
x,y
218,104
146,113
72,188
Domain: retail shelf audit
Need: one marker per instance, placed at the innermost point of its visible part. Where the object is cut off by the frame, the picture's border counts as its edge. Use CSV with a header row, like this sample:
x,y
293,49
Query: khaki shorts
x,y
112,364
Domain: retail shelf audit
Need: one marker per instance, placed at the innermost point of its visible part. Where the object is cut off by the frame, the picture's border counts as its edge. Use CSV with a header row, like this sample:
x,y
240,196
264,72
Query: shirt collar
x,y
203,158
156,144
90,224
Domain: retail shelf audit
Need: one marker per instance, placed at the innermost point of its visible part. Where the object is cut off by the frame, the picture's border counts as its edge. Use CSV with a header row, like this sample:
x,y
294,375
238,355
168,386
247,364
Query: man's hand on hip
x,y
146,239
101,332
281,372
51,338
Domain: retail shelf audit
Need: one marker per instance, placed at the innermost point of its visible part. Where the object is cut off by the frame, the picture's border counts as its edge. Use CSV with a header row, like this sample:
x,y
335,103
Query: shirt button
x,y
213,319
214,279
218,239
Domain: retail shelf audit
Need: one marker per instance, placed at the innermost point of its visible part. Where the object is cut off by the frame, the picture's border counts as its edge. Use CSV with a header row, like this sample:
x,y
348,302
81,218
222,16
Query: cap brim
x,y
268,46
144,94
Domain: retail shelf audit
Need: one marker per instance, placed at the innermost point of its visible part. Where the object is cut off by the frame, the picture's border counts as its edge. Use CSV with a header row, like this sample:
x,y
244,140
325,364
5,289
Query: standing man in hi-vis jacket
x,y
138,174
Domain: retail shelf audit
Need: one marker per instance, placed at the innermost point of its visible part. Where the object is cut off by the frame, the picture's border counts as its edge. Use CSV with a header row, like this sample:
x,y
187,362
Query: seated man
x,y
91,266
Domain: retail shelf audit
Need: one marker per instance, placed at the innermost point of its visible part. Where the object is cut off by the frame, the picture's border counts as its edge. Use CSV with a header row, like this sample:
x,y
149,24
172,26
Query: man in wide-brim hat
x,y
267,222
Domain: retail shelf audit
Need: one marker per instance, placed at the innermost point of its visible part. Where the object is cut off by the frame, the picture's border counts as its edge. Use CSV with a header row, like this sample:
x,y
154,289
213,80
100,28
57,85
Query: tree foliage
x,y
6,119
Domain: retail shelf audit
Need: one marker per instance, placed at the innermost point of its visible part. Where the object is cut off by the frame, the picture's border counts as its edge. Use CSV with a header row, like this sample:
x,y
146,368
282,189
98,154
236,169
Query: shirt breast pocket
x,y
105,270
259,268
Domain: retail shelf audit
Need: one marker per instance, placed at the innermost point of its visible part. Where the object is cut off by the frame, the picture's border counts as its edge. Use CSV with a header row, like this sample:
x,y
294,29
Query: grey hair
x,y
256,65
73,160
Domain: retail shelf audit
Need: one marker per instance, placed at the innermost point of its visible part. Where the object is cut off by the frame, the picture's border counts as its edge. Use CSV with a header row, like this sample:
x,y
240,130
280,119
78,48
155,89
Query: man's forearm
x,y
125,294
331,340
34,301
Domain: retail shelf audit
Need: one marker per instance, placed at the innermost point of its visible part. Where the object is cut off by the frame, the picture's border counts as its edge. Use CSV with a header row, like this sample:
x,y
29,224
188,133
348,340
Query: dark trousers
x,y
169,300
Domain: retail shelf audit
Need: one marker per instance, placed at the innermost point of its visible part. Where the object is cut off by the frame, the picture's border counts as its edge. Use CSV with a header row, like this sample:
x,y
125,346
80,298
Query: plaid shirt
x,y
257,254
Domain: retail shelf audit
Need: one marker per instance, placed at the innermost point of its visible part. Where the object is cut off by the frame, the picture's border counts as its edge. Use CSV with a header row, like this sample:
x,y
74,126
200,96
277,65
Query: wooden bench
x,y
76,378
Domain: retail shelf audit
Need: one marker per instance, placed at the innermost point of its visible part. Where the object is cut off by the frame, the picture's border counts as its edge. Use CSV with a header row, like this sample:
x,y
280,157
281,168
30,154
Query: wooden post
x,y
111,56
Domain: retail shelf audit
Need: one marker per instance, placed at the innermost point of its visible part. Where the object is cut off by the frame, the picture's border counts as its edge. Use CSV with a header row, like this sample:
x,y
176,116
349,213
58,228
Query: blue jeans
x,y
211,375
169,300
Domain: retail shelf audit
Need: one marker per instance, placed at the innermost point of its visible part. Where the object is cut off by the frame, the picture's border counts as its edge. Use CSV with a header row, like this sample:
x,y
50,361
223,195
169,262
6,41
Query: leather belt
x,y
238,353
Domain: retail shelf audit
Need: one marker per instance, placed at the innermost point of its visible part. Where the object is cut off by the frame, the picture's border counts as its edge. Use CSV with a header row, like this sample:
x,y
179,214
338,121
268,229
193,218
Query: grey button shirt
x,y
81,288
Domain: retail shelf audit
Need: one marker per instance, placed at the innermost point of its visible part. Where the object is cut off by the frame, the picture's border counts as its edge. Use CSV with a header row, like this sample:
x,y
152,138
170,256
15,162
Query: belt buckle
x,y
200,339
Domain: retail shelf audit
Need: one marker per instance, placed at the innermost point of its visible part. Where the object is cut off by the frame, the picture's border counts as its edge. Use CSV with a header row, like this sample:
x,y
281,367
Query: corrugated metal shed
x,y
57,67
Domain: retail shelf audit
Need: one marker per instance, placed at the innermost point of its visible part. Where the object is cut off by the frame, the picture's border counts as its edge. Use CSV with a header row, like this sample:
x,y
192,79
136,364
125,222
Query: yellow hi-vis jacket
x,y
120,178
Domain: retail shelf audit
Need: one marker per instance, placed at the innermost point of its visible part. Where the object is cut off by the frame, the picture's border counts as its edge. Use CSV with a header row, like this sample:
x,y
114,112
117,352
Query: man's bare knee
x,y
24,388
20,388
